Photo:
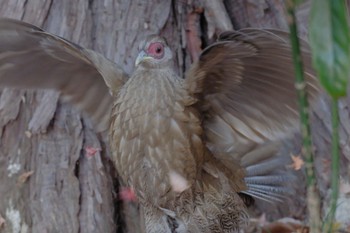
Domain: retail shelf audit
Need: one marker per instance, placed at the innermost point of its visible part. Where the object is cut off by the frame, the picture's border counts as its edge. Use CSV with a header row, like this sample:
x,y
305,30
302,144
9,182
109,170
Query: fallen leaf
x,y
298,162
24,177
285,225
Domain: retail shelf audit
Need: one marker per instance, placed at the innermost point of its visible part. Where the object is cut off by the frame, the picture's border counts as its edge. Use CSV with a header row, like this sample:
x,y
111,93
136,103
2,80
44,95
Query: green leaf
x,y
330,44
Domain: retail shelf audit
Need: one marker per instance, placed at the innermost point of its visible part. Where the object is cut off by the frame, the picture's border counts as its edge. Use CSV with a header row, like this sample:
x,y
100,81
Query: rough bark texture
x,y
48,180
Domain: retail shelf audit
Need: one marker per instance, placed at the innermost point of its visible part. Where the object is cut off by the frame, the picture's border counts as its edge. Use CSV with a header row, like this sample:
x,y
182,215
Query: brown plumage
x,y
188,147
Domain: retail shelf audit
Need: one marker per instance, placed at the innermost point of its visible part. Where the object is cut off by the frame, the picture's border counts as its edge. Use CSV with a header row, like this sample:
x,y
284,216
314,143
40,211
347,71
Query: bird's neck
x,y
154,87
153,93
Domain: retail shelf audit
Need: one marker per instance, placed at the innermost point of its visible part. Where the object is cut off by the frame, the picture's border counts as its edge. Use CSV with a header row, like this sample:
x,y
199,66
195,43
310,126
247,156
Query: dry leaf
x,y
298,162
286,225
24,177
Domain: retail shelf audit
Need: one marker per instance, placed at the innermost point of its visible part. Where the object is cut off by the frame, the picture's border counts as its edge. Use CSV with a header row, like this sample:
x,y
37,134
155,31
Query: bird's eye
x,y
159,50
156,50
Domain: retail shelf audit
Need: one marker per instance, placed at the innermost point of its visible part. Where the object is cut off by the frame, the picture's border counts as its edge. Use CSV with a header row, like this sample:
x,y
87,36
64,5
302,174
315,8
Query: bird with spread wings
x,y
191,148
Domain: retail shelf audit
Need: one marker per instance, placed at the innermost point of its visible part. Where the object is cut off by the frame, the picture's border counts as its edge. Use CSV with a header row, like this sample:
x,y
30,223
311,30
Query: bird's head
x,y
154,53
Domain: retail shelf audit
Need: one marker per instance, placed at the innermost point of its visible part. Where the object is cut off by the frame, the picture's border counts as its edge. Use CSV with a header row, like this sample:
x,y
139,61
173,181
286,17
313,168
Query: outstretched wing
x,y
245,86
33,59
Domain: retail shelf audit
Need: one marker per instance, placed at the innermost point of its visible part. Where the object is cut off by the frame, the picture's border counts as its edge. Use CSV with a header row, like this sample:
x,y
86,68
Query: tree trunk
x,y
49,182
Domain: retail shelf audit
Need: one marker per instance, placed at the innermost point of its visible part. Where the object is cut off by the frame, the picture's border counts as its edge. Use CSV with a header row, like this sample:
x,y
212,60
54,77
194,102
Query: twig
x,y
313,199
335,166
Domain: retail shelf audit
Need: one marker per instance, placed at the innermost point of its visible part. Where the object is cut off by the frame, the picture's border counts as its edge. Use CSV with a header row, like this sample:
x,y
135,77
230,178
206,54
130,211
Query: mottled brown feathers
x,y
189,148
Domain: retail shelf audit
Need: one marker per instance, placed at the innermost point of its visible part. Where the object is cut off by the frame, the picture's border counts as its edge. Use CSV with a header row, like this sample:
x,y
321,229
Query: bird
x,y
192,147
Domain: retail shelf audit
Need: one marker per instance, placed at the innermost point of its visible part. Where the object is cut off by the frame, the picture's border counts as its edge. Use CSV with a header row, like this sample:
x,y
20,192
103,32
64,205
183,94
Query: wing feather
x,y
245,87
31,58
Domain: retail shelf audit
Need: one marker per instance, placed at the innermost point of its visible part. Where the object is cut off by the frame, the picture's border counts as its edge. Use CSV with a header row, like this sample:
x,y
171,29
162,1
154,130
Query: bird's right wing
x,y
246,94
245,87
33,59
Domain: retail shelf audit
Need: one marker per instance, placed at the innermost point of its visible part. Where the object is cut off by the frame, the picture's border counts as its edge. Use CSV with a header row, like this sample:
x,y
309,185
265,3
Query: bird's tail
x,y
267,177
212,203
217,207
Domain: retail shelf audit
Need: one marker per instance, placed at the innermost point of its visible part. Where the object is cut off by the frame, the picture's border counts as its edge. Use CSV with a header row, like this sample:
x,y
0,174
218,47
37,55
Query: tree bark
x,y
49,181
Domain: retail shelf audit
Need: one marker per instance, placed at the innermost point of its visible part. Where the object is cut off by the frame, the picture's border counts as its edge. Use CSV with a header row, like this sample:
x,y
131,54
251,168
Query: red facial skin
x,y
156,50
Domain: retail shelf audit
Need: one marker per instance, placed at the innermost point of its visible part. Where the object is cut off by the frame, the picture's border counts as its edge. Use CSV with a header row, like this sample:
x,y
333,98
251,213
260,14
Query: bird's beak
x,y
142,55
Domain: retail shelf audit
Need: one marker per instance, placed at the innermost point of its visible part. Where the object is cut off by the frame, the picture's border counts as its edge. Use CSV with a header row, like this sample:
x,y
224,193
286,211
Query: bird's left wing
x,y
245,86
31,58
